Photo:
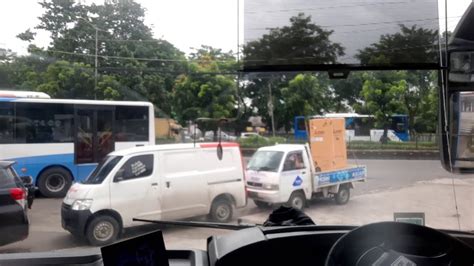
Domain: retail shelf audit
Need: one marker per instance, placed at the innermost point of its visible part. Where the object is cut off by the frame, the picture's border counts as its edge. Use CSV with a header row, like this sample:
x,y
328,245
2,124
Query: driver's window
x,y
135,167
294,161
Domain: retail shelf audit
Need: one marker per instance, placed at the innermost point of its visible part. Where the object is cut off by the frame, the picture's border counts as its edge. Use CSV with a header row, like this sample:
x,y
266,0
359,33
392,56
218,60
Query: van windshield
x,y
102,170
265,161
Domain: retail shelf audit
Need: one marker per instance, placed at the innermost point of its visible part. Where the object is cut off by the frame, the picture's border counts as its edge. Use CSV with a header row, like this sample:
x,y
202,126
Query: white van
x,y
162,182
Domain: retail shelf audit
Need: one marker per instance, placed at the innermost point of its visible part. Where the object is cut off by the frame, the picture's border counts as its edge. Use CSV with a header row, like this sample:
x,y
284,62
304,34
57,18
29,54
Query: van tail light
x,y
17,194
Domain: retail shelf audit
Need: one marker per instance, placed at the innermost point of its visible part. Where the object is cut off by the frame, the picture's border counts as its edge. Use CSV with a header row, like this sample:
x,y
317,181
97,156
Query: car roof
x,y
162,147
283,147
6,164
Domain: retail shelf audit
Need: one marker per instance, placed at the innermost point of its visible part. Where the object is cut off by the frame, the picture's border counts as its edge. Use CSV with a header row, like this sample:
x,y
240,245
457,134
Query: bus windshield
x,y
102,170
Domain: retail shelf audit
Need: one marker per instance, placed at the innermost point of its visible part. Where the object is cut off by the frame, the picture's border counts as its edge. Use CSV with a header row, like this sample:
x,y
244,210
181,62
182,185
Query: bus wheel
x,y
54,182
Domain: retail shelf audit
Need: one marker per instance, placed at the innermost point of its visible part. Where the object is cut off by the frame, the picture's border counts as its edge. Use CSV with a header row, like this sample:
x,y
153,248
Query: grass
x,y
257,142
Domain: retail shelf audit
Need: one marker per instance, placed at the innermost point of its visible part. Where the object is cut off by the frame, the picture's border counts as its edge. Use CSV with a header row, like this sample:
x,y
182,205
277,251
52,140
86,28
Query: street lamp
x,y
96,49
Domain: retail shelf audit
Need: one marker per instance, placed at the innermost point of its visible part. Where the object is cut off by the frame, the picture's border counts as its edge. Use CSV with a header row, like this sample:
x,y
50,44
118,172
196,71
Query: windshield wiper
x,y
200,224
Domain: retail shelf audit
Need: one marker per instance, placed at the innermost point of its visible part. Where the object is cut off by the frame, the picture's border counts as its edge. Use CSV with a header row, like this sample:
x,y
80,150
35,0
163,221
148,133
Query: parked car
x,y
246,135
16,197
209,136
162,182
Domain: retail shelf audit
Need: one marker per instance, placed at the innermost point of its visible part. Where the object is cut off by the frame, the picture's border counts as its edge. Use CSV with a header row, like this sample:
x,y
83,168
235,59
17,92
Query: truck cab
x,y
279,174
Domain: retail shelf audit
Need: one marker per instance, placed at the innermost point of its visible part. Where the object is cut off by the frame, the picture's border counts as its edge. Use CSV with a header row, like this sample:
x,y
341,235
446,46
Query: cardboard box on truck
x,y
327,143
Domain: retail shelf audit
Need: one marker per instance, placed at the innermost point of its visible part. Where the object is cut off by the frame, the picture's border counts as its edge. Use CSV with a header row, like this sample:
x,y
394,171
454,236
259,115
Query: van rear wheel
x,y
102,230
221,211
54,182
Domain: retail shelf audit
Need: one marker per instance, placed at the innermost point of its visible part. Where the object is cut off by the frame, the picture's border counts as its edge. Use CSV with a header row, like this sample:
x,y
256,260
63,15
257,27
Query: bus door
x,y
94,137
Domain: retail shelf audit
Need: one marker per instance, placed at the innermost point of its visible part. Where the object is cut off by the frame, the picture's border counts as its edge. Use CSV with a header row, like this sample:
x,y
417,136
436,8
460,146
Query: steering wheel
x,y
397,243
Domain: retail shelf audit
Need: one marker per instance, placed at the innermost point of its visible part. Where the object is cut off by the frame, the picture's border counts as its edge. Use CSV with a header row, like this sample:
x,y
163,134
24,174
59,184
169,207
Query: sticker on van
x,y
298,181
138,168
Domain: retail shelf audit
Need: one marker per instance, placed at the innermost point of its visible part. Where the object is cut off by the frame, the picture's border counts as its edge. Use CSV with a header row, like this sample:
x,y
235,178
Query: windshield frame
x,y
104,169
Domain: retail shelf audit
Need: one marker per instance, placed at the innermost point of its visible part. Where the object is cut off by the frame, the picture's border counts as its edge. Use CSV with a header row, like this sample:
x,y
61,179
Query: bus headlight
x,y
82,205
271,186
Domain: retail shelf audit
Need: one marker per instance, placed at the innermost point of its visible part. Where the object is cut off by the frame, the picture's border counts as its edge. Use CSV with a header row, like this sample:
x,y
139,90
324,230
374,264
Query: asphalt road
x,y
46,233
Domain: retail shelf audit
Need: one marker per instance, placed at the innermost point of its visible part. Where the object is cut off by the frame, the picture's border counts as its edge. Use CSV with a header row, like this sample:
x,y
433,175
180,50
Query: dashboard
x,y
296,245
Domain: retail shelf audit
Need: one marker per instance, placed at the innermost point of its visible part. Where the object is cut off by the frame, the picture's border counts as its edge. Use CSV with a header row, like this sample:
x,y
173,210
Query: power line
x,y
363,24
357,4
135,58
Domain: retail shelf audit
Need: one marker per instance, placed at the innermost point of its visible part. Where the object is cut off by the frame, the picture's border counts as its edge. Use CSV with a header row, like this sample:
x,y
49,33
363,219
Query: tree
x,y
347,92
309,43
305,95
203,92
132,65
382,94
409,45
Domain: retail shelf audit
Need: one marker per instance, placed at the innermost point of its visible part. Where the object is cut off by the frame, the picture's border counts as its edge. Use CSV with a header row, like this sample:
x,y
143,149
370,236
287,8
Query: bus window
x,y
43,123
131,123
6,123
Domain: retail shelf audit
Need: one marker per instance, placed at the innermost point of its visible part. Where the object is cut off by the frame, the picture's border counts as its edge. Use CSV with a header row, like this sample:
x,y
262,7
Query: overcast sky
x,y
185,23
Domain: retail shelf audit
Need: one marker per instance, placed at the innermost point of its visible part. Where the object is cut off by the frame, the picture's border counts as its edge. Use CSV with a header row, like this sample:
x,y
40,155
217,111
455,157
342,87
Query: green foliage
x,y
409,45
310,43
382,93
370,145
305,95
258,141
203,93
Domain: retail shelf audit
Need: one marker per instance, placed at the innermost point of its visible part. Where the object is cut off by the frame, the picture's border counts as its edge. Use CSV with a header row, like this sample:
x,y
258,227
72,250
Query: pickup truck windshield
x,y
102,170
265,161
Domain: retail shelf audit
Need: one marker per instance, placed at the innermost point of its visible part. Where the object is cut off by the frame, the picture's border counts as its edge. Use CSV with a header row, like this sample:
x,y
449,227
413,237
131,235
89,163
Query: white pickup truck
x,y
286,174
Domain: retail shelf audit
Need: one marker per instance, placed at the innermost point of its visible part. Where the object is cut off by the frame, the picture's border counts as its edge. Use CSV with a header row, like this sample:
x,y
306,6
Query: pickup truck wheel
x,y
297,200
343,195
221,211
102,230
54,182
261,204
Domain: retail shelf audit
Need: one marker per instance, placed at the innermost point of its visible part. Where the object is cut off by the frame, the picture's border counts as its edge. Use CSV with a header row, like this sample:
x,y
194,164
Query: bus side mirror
x,y
456,99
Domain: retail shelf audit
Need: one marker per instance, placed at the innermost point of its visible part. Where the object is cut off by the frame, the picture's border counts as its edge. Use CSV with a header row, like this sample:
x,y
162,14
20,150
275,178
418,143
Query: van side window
x,y
136,167
294,161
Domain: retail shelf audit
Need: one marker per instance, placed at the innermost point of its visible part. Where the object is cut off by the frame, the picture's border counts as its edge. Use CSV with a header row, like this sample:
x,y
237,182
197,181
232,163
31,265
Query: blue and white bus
x,y
360,127
58,141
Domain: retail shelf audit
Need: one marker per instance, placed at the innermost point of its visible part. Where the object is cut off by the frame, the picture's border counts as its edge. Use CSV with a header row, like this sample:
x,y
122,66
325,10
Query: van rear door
x,y
134,190
184,189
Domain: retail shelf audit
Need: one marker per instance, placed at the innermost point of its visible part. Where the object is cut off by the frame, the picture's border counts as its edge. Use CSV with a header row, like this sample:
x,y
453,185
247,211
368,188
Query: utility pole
x,y
271,107
96,62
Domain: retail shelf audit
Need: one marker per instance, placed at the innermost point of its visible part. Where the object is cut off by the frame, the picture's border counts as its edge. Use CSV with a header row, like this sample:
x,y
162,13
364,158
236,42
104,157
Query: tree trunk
x,y
384,138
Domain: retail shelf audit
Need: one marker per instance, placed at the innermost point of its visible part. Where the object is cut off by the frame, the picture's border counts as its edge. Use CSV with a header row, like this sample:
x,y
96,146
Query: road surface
x,y
383,176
